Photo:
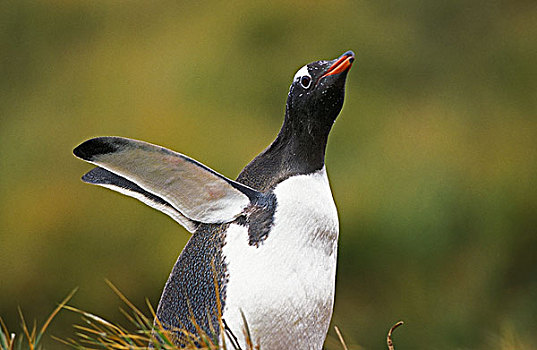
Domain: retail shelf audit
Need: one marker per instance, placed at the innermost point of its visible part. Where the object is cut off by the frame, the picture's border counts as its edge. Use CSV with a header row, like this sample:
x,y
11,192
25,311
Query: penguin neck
x,y
298,149
301,142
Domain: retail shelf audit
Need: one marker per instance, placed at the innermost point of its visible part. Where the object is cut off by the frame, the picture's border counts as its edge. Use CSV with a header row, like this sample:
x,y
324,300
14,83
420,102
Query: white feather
x,y
171,212
285,287
302,72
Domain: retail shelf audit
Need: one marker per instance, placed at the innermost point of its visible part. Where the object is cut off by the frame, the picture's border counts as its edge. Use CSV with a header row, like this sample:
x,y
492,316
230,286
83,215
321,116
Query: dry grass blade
x,y
389,337
53,314
124,298
341,338
6,340
29,337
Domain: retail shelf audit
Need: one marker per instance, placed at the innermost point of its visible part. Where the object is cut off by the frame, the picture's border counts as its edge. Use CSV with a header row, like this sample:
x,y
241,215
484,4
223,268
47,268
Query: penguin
x,y
262,257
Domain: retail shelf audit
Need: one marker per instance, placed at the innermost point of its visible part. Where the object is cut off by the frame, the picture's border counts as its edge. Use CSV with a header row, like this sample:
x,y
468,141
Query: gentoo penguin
x,y
263,248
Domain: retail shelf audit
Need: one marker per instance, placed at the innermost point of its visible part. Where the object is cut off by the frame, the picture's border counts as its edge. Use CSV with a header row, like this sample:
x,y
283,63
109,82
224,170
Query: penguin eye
x,y
305,81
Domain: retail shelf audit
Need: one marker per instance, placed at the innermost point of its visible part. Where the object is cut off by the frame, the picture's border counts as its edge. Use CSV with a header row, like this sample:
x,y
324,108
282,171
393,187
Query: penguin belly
x,y
285,286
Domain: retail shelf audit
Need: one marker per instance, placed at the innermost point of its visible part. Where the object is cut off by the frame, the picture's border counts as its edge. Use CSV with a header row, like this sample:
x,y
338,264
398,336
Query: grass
x,y
30,338
98,333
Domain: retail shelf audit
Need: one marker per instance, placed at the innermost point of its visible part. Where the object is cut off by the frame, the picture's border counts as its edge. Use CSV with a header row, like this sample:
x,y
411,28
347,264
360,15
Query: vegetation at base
x,y
98,333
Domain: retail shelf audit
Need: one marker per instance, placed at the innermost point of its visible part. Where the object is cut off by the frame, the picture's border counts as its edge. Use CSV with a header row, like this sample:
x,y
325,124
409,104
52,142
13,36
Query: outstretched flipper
x,y
168,181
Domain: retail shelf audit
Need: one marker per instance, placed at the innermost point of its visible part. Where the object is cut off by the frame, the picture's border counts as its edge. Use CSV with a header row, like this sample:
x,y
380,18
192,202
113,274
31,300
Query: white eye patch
x,y
302,72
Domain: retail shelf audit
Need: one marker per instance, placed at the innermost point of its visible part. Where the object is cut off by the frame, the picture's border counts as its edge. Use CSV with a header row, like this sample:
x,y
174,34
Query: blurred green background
x,y
433,161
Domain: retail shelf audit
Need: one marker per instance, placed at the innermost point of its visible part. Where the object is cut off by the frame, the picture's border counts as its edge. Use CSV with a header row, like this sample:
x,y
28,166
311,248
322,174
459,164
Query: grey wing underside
x,y
105,178
175,184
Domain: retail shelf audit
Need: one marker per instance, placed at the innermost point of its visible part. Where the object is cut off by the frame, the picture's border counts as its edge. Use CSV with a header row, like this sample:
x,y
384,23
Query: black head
x,y
314,102
316,94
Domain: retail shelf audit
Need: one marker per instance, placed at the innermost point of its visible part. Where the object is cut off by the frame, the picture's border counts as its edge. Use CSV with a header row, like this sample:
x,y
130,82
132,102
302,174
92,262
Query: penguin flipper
x,y
194,190
102,177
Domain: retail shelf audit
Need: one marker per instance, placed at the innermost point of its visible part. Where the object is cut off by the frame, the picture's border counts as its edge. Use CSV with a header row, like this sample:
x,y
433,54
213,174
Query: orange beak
x,y
342,64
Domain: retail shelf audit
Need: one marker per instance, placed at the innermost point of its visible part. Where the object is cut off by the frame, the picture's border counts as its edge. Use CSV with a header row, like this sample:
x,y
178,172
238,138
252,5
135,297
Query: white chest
x,y
285,287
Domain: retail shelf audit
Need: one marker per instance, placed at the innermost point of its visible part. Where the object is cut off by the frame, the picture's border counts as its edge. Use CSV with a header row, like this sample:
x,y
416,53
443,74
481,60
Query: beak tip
x,y
350,56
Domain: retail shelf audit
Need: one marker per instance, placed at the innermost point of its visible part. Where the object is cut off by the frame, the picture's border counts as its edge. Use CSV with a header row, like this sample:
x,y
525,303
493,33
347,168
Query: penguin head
x,y
317,92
